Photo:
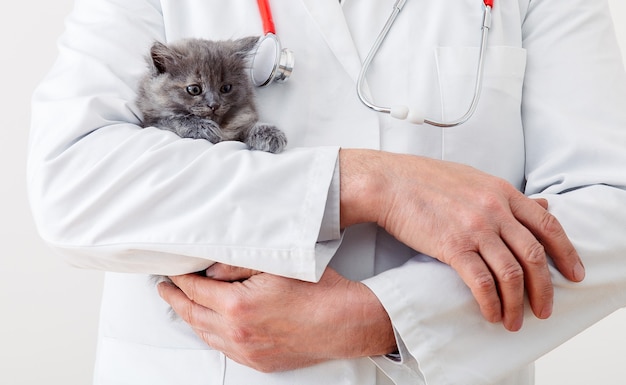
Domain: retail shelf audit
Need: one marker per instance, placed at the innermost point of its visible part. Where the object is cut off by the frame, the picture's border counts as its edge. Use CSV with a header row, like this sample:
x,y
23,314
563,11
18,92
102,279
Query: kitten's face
x,y
208,79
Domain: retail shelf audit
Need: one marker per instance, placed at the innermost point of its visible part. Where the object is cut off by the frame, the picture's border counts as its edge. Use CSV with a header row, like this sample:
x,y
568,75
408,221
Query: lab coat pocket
x,y
128,363
503,78
493,139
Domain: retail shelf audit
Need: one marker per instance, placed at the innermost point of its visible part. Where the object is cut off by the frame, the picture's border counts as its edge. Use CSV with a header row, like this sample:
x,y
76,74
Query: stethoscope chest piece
x,y
271,62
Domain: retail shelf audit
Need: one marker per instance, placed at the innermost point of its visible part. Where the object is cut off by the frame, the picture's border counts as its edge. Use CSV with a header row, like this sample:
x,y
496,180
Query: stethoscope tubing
x,y
372,53
266,17
486,25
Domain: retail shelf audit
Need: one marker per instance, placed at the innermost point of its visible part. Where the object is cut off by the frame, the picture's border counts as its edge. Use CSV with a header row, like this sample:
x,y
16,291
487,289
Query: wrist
x,y
361,186
377,336
361,325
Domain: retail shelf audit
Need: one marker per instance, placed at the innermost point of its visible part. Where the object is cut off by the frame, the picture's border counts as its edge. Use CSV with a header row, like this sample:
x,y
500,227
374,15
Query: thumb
x,y
228,273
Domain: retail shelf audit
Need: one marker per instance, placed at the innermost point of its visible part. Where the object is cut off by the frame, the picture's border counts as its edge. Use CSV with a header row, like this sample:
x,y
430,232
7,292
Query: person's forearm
x,y
488,231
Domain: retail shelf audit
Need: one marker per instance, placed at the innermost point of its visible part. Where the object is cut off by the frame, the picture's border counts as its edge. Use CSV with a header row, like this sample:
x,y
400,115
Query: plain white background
x,y
49,310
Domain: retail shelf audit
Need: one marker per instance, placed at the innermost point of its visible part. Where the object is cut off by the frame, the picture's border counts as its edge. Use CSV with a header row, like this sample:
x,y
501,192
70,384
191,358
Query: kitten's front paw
x,y
268,138
198,128
210,131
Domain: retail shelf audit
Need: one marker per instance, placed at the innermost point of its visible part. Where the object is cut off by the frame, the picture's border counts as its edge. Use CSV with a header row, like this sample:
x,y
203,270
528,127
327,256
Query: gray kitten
x,y
201,89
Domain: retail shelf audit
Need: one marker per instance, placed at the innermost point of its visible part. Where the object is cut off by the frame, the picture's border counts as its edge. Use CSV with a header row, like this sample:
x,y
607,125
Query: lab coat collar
x,y
330,19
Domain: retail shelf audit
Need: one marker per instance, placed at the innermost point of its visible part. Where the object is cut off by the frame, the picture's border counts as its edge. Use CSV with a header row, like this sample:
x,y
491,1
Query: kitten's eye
x,y
226,88
194,90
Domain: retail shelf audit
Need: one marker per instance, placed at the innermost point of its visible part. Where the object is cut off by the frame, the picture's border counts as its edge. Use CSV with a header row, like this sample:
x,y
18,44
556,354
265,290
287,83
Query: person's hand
x,y
490,233
272,323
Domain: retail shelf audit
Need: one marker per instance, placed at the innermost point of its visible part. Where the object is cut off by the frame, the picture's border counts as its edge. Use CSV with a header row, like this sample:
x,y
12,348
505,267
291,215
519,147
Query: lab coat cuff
x,y
330,229
401,367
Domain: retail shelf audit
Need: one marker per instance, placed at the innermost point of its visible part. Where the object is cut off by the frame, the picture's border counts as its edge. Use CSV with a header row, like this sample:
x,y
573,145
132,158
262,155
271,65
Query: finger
x,y
542,202
509,276
228,273
204,322
531,256
204,291
180,303
547,229
477,276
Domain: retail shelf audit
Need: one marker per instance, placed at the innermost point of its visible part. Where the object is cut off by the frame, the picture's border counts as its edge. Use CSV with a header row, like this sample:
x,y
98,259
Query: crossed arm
x,y
490,233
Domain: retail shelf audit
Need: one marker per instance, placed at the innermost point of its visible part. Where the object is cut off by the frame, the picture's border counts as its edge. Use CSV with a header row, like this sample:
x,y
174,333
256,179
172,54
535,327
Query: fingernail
x,y
546,312
161,286
516,325
210,272
579,272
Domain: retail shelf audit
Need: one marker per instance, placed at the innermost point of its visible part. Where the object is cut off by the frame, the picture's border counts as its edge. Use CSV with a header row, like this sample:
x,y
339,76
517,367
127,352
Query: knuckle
x,y
239,335
236,308
230,270
512,274
550,225
476,223
458,248
474,218
495,192
256,359
486,294
191,291
491,202
504,185
267,368
484,283
491,307
187,313
455,255
536,255
253,361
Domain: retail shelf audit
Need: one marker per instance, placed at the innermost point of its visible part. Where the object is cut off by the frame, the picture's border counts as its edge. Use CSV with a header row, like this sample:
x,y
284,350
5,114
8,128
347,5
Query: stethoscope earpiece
x,y
271,62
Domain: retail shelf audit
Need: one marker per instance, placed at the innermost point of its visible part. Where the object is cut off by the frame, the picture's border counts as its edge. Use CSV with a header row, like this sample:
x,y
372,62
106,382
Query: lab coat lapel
x,y
330,19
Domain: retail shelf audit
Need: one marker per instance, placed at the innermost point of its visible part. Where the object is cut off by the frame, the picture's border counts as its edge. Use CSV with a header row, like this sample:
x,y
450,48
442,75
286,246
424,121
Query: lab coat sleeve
x,y
110,195
575,131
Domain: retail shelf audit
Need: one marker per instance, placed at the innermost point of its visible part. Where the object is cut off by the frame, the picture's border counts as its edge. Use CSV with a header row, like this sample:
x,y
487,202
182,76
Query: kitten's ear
x,y
244,46
161,57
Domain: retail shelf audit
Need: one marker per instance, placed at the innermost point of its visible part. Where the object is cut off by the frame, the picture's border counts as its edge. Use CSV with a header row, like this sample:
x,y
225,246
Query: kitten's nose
x,y
213,106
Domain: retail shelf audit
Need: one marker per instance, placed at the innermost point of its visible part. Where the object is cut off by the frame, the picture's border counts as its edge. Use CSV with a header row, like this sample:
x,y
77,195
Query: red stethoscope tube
x,y
266,16
268,21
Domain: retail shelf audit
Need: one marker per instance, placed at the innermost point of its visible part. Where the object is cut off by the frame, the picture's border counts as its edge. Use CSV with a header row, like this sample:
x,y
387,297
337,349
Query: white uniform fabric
x,y
109,195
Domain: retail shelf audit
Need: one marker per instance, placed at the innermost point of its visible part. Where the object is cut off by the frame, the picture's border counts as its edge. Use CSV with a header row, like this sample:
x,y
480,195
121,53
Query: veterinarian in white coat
x,y
109,195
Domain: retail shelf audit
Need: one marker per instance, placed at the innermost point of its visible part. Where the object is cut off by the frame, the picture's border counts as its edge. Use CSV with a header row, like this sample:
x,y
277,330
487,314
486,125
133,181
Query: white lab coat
x,y
109,195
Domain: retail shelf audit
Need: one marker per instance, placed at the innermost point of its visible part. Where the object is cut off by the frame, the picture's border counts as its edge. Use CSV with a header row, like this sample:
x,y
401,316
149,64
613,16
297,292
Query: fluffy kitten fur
x,y
201,89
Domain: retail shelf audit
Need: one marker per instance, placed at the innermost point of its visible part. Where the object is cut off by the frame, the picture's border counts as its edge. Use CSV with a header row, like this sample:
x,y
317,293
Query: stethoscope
x,y
270,62
273,63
